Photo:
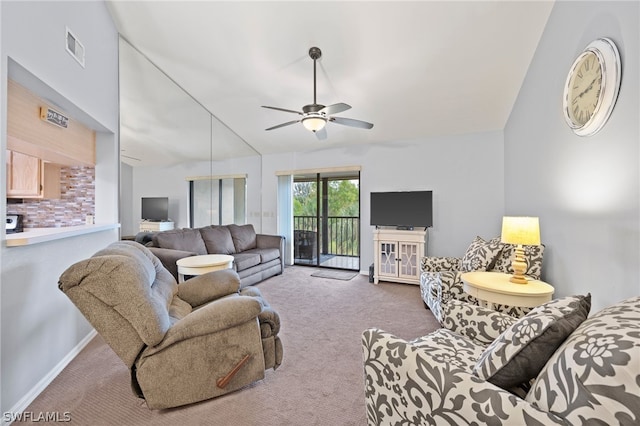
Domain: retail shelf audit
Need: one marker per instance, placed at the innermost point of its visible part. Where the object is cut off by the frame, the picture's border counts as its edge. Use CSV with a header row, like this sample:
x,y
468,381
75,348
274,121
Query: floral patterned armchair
x,y
440,278
550,367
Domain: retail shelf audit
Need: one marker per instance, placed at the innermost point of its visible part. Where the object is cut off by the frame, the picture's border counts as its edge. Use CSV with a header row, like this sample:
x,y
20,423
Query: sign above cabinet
x,y
54,117
68,142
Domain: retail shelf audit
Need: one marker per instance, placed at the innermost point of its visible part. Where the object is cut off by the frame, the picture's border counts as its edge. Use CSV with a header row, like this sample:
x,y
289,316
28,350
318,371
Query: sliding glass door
x,y
326,220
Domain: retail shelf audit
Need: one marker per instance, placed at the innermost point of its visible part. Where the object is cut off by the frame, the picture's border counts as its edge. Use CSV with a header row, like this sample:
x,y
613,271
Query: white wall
x,y
39,326
465,173
586,191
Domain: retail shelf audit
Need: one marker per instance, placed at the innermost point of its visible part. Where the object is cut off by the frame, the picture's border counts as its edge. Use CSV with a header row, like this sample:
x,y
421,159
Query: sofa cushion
x,y
217,239
266,254
594,377
246,260
244,237
125,248
185,239
118,284
163,284
532,257
521,351
480,255
446,346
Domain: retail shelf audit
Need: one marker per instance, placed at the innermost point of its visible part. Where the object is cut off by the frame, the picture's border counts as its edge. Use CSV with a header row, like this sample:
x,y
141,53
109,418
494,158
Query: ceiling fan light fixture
x,y
314,122
315,115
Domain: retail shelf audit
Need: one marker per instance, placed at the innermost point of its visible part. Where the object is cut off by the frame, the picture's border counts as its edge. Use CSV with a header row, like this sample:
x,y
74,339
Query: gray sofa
x,y
256,256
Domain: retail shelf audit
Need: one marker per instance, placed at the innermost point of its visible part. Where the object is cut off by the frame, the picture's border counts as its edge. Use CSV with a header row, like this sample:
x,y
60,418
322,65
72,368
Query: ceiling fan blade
x,y
335,108
351,122
288,123
282,109
321,134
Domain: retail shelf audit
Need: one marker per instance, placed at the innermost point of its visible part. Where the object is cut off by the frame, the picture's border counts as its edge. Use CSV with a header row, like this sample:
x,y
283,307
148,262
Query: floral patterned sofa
x,y
550,367
440,278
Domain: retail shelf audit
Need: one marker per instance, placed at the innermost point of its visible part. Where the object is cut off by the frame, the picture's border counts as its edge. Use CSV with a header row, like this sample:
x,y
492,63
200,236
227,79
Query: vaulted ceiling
x,y
415,69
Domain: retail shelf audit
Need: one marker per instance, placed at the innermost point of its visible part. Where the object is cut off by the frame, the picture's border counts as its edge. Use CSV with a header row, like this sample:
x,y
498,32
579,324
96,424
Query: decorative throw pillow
x,y
217,239
186,239
532,257
244,237
480,255
519,353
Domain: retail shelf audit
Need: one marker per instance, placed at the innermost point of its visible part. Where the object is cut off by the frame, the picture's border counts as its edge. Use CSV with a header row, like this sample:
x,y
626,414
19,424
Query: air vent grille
x,y
74,47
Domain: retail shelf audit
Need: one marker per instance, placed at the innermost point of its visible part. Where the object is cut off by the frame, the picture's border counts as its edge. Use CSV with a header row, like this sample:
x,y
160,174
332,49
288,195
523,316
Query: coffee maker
x,y
14,223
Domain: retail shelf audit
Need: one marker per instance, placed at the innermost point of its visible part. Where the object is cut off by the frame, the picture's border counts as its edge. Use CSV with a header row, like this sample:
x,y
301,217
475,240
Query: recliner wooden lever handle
x,y
222,382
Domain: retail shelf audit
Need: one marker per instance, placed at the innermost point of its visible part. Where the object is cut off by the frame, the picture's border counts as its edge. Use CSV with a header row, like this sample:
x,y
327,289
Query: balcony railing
x,y
339,235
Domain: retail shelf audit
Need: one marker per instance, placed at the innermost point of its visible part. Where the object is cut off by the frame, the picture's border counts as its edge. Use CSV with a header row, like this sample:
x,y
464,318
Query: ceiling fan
x,y
315,116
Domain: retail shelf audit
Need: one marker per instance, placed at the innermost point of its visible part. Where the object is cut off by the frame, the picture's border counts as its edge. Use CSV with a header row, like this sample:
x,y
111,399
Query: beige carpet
x,y
320,381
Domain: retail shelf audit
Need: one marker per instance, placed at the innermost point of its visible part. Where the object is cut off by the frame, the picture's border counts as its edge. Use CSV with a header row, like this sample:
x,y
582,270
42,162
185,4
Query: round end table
x,y
198,265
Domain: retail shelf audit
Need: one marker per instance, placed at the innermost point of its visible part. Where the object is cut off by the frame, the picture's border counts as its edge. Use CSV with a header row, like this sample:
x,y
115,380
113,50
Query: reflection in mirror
x,y
217,201
161,124
165,131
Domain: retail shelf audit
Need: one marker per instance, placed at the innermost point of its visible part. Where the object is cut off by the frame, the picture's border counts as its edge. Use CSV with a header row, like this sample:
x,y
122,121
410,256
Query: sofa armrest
x,y
439,263
438,288
269,322
269,241
212,318
169,257
481,325
404,384
272,241
204,288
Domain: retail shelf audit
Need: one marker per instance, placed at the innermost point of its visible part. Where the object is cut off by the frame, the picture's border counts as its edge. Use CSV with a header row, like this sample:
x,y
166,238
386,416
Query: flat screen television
x,y
155,209
402,209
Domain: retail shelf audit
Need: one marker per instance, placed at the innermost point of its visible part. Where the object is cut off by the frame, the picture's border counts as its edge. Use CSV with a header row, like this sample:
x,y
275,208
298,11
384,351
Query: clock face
x,y
591,88
585,85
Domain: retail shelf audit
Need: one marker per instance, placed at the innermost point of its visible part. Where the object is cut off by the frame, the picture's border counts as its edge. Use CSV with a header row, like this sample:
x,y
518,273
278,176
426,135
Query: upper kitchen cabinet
x,y
30,177
59,139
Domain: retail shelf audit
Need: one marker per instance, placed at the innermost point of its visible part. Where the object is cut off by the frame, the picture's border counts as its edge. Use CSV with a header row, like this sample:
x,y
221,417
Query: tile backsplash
x,y
77,200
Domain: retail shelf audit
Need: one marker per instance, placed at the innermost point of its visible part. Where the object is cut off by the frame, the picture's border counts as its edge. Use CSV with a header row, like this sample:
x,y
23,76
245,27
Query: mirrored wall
x,y
167,134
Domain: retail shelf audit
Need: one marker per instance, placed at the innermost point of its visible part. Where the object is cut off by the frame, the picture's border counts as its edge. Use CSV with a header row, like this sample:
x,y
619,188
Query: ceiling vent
x,y
74,47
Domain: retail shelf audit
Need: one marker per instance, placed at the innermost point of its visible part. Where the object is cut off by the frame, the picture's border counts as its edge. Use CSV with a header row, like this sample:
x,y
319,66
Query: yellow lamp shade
x,y
520,230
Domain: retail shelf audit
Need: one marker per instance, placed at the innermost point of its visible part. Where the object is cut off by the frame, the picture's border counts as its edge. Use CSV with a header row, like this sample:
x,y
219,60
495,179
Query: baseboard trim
x,y
24,402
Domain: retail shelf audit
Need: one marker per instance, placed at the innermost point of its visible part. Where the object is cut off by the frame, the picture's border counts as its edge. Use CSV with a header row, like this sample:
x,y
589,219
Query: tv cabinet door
x,y
397,255
409,260
388,258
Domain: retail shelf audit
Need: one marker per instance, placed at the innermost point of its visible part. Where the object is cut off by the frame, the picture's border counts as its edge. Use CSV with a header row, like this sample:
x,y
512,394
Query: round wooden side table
x,y
495,287
198,265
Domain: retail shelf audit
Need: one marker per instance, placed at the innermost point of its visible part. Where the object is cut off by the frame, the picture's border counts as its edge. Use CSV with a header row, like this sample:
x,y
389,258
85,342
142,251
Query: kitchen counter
x,y
41,235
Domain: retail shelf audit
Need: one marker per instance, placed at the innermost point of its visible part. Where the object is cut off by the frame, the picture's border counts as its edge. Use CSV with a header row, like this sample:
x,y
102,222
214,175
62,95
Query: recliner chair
x,y
182,343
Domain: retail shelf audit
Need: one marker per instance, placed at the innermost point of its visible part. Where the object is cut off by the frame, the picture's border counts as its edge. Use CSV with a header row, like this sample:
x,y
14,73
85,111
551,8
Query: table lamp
x,y
520,230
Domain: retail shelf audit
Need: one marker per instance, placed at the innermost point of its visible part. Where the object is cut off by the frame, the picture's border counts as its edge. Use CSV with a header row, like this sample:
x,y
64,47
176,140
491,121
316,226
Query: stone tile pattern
x,y
77,200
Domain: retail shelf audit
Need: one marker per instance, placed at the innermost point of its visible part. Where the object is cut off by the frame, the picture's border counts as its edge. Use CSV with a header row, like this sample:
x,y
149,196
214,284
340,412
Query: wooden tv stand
x,y
397,255
148,226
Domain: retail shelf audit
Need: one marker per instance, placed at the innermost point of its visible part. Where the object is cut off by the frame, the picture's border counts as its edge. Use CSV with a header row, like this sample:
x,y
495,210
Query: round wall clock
x,y
592,87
